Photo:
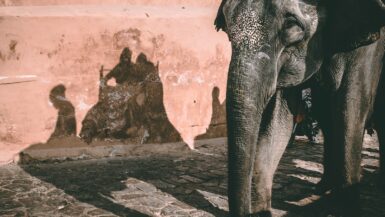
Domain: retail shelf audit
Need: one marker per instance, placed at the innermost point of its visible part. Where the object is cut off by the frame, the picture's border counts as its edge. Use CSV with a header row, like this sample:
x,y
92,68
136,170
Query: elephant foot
x,y
261,214
323,186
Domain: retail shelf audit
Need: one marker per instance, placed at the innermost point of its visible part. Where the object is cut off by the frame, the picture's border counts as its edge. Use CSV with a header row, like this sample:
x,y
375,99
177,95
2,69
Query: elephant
x,y
279,47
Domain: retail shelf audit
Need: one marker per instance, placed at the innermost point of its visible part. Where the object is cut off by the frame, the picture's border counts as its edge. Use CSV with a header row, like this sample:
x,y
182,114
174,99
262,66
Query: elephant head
x,y
276,46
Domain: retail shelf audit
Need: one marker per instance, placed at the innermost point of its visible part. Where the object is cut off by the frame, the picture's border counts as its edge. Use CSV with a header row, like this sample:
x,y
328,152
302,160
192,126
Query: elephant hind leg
x,y
323,114
379,125
379,122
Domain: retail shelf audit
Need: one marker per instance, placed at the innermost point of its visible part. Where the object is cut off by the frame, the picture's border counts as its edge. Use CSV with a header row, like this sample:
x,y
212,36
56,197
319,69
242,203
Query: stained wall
x,y
49,42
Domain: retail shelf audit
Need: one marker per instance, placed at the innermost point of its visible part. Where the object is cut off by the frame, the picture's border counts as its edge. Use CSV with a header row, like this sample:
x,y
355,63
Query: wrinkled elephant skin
x,y
279,46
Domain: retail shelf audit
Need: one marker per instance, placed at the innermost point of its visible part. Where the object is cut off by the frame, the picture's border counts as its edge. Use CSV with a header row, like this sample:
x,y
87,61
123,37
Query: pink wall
x,y
61,42
199,3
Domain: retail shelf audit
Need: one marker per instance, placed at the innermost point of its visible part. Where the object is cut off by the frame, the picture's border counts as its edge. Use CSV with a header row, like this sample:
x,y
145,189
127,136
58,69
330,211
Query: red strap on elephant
x,y
299,118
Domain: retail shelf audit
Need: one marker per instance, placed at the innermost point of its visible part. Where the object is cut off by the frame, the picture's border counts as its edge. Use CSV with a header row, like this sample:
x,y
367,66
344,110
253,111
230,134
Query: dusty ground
x,y
190,183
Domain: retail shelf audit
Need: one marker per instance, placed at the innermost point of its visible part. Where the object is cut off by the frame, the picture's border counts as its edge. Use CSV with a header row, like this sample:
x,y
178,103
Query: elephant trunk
x,y
251,84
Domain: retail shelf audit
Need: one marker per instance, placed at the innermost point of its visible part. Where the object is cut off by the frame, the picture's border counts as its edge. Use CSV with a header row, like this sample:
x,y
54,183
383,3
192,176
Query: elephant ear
x,y
353,23
220,21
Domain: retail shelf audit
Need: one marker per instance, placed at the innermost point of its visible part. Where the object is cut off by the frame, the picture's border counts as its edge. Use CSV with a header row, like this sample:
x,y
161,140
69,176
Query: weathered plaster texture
x,y
46,43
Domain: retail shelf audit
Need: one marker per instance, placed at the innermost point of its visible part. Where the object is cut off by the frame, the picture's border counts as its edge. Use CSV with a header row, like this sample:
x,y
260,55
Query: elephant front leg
x,y
241,153
276,128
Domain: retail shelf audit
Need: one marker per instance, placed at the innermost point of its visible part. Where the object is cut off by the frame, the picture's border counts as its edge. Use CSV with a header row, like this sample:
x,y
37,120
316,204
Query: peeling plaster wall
x,y
200,3
45,43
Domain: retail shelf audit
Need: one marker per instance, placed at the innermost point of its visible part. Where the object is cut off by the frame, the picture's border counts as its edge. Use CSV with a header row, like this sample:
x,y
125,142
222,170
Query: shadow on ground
x,y
185,176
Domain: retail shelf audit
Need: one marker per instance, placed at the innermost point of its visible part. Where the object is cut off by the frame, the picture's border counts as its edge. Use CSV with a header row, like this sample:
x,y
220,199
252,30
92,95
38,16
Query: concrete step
x,y
74,149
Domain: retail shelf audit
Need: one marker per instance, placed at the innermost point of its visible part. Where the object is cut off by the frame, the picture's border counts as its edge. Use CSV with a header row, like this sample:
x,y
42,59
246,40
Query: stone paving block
x,y
97,212
216,200
145,187
162,184
172,210
191,179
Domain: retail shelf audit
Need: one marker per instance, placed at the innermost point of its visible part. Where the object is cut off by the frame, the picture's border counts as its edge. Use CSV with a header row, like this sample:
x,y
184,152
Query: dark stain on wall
x,y
126,38
11,53
12,45
2,56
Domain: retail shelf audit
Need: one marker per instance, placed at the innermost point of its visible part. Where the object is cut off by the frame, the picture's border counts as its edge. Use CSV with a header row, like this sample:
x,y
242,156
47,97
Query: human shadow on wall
x,y
133,109
64,133
217,127
66,119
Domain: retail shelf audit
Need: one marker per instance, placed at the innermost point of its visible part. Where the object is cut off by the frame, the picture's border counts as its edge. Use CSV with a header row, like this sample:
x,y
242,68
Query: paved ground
x,y
191,183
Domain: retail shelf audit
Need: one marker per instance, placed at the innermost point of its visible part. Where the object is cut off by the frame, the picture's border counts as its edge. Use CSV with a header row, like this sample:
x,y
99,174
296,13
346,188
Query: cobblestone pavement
x,y
191,183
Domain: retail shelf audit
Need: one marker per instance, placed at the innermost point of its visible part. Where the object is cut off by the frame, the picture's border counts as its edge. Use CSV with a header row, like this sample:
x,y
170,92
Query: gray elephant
x,y
279,47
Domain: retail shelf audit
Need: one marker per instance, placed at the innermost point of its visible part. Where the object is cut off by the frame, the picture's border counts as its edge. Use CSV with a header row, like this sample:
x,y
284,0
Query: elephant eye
x,y
292,30
292,21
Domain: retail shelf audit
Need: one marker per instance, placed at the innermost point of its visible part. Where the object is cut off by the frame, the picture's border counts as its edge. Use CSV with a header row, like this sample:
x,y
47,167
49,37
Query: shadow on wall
x,y
217,127
66,121
64,133
133,109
